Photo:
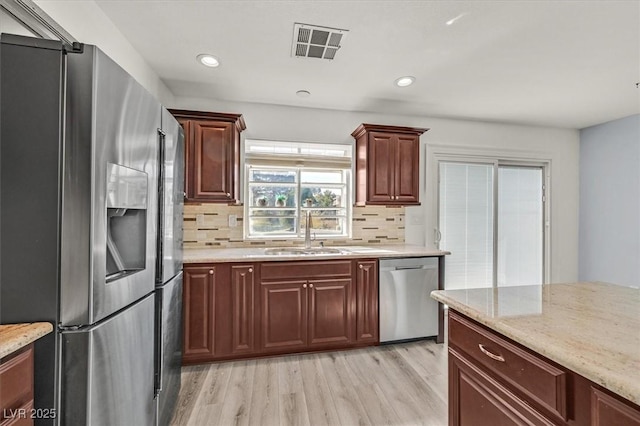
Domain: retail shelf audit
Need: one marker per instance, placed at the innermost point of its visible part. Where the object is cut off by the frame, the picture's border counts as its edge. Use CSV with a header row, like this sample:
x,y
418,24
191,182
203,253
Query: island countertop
x,y
257,254
591,328
16,336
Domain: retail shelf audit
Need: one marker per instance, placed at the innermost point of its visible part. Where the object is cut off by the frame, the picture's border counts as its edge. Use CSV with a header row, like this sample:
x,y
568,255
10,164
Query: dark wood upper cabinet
x,y
212,155
387,164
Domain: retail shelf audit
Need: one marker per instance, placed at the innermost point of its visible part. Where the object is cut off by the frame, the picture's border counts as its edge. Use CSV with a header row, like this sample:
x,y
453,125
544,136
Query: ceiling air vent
x,y
312,41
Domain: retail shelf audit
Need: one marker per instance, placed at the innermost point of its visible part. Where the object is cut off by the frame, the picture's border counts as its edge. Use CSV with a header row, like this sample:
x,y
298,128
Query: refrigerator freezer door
x,y
172,203
107,370
168,347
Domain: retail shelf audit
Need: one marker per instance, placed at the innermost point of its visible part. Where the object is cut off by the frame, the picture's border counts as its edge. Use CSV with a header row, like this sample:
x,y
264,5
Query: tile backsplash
x,y
207,225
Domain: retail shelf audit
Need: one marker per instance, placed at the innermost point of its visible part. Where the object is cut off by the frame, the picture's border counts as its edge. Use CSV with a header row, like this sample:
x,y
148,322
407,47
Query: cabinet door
x,y
381,169
607,410
188,157
330,312
199,303
406,177
284,315
475,397
212,167
366,301
242,309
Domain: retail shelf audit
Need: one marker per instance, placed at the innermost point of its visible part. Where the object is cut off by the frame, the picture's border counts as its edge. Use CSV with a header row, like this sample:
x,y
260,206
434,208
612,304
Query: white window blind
x,y
520,226
492,241
466,223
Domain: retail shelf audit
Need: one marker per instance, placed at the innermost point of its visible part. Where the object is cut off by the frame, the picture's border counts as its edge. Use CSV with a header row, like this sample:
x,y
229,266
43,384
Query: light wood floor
x,y
401,384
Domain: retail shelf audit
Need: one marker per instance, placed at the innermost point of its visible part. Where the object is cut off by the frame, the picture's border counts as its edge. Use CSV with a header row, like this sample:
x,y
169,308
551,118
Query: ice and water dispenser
x,y
127,199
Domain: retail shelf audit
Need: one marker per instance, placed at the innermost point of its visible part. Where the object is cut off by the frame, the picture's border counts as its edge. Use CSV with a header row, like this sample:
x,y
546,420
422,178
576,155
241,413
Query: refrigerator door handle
x,y
160,203
159,344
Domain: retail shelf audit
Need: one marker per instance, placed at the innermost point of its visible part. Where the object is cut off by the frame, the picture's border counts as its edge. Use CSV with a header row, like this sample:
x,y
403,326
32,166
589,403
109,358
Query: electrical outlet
x,y
233,220
416,219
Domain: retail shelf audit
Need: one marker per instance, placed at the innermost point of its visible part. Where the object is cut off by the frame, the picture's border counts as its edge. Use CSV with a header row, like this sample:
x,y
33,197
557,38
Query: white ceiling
x,y
554,63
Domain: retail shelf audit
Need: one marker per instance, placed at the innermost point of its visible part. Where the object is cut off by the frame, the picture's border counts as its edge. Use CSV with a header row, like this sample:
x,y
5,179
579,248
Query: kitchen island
x,y
570,351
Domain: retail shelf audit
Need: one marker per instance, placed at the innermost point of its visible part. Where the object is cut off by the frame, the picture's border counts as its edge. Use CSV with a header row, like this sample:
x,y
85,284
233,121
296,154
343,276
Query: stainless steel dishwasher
x,y
406,309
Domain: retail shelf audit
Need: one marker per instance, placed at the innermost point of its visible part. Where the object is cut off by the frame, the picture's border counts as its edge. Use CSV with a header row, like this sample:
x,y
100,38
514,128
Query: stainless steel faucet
x,y
307,231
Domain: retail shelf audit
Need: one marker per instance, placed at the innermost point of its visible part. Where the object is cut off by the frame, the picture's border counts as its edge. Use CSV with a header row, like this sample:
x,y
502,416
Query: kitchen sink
x,y
297,251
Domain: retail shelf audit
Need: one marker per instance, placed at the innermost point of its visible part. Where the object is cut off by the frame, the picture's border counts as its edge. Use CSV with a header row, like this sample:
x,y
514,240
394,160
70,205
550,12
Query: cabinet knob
x,y
228,195
304,286
250,269
311,285
210,271
360,266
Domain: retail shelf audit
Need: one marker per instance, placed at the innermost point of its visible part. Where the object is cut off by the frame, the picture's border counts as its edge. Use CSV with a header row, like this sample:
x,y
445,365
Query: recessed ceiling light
x,y
405,81
453,20
208,60
303,93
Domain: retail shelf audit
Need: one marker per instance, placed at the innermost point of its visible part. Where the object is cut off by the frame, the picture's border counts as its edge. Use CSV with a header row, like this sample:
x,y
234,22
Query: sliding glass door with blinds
x,y
491,217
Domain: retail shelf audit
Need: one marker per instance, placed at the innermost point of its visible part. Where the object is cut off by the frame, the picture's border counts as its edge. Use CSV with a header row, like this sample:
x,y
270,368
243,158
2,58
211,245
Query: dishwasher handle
x,y
408,268
416,267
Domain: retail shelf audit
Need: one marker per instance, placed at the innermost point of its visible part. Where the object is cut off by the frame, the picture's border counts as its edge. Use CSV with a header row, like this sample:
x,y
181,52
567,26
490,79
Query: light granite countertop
x,y
221,255
591,328
17,336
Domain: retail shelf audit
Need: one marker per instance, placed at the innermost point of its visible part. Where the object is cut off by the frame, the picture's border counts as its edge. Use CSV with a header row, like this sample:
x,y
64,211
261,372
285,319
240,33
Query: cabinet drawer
x,y
22,416
475,395
16,381
312,269
526,373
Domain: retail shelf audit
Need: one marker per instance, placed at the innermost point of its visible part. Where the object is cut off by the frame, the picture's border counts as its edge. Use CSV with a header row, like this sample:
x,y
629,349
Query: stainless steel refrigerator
x,y
84,189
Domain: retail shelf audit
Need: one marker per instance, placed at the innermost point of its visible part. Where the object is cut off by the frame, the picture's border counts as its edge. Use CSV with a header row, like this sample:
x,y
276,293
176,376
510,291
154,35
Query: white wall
x,y
330,126
86,22
609,242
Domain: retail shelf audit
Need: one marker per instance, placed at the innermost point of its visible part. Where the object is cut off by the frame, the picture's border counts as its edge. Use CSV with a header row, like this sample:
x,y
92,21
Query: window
x,y
284,181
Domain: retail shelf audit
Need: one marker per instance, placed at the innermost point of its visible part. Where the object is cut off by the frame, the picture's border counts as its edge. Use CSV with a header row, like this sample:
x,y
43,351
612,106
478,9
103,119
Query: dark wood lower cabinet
x,y
199,310
16,387
307,305
236,310
284,315
331,318
367,301
607,410
495,381
477,398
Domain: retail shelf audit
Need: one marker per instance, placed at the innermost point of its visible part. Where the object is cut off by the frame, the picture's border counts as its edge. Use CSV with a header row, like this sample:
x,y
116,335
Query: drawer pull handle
x,y
489,354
